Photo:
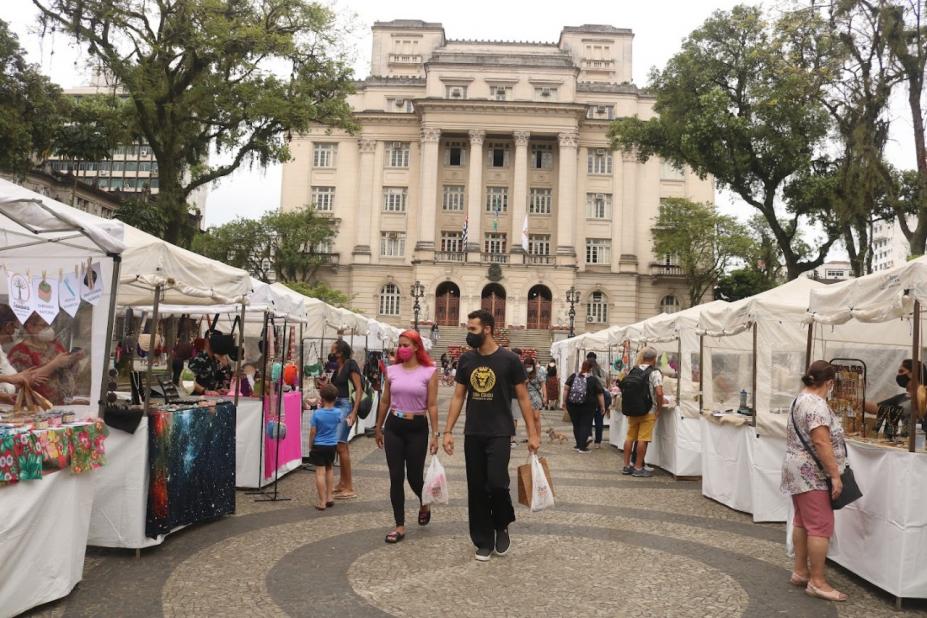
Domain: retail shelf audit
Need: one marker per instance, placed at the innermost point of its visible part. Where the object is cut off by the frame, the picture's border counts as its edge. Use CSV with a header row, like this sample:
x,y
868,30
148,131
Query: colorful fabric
x,y
56,448
88,451
9,461
30,457
800,473
24,455
191,458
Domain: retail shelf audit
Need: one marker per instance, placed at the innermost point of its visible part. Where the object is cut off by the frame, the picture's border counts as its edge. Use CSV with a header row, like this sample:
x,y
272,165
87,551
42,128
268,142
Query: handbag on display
x,y
851,491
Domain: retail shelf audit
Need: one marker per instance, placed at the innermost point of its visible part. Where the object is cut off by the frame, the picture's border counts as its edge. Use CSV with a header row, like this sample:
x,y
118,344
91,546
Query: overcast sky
x,y
659,27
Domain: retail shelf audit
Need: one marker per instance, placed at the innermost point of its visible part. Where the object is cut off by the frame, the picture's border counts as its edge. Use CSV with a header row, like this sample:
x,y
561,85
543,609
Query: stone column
x,y
365,200
520,190
566,198
475,192
630,169
376,197
428,189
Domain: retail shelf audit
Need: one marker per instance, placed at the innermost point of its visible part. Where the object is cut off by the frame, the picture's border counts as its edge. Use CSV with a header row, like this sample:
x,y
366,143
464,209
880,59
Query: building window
x,y
600,162
670,171
500,93
323,199
669,304
394,199
601,112
397,154
598,205
545,93
542,156
494,243
323,155
454,154
539,244
456,92
540,201
452,242
598,250
116,184
497,199
144,150
453,198
597,308
498,155
131,166
389,299
323,247
392,244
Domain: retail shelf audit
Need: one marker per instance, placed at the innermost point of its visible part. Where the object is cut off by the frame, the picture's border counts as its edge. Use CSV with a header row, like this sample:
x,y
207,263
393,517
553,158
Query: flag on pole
x,y
524,235
463,235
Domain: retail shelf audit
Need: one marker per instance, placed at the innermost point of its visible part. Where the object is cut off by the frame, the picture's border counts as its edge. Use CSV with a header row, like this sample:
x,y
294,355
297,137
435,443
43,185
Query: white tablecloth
x,y
882,537
120,500
43,538
742,471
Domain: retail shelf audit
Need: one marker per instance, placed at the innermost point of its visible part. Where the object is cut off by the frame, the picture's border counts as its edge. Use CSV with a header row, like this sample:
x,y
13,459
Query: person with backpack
x,y
583,395
408,406
598,419
641,402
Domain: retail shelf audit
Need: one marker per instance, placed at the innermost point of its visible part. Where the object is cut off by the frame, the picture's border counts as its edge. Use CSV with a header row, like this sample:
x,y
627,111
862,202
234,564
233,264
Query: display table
x,y
190,454
43,538
255,452
880,537
740,470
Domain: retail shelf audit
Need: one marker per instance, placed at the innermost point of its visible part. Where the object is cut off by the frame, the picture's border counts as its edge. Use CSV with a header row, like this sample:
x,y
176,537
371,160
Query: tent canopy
x,y
667,326
788,302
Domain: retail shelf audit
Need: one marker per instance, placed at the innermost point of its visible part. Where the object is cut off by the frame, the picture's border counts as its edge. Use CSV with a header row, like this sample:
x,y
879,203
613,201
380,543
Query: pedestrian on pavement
x,y
535,386
408,405
445,360
434,332
641,402
346,375
487,377
812,425
583,395
514,406
552,384
323,439
598,418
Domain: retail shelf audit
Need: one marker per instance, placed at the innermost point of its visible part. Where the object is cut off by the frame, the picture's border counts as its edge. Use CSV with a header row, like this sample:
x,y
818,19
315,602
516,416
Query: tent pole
x,y
754,373
302,357
263,396
679,373
809,345
915,375
110,325
701,374
151,347
241,352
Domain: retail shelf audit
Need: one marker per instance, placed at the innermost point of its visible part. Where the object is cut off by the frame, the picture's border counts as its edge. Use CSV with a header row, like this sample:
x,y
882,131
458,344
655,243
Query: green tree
x,y
741,283
291,246
704,242
234,77
734,104
322,291
140,213
93,127
30,110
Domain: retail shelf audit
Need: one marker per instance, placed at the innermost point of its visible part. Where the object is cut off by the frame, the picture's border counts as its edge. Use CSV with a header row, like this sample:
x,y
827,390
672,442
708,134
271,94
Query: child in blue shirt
x,y
323,438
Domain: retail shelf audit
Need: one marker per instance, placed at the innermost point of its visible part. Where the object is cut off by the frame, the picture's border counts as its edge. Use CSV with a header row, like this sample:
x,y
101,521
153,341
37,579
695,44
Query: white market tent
x,y
42,545
755,345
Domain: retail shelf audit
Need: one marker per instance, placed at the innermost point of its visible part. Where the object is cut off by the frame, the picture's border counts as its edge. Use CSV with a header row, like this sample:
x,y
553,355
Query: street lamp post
x,y
572,297
418,291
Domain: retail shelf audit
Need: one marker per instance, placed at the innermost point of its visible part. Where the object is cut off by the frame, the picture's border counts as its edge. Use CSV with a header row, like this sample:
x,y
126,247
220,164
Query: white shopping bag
x,y
435,489
542,496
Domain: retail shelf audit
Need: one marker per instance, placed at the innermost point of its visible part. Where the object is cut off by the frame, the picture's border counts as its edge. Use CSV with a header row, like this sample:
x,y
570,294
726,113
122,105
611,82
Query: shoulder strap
x,y
215,320
803,441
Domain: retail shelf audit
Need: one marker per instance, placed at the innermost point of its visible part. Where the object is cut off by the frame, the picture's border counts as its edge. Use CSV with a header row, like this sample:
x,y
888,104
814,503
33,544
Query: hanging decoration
x,y
91,283
45,293
69,294
21,298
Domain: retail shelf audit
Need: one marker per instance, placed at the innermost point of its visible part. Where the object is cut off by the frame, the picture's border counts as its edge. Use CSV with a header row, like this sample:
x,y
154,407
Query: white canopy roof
x,y
667,326
30,220
788,302
878,297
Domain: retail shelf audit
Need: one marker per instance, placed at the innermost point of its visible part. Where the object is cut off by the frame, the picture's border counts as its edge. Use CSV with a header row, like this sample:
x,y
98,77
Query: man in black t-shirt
x,y
489,377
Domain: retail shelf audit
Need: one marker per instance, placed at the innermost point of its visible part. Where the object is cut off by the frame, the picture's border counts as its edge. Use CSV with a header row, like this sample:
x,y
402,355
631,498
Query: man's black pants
x,y
488,497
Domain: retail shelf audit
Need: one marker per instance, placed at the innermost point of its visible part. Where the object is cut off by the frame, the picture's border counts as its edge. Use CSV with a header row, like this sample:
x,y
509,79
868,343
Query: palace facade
x,y
483,170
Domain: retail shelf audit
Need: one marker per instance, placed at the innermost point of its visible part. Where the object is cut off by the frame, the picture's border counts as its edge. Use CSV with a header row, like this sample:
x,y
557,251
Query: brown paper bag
x,y
524,481
566,417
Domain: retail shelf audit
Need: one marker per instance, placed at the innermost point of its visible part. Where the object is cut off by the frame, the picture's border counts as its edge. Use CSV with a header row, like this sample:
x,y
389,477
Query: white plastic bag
x,y
542,496
435,489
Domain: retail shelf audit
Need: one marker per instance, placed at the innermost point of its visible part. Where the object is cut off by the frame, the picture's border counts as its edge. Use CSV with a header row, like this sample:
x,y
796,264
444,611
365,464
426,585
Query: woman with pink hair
x,y
408,405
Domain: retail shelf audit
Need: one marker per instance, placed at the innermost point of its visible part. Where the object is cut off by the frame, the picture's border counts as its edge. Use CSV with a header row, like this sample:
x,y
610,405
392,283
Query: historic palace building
x,y
483,170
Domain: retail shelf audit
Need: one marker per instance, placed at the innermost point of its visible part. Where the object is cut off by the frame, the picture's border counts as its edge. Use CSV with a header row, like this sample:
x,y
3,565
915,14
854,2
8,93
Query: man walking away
x,y
489,377
641,402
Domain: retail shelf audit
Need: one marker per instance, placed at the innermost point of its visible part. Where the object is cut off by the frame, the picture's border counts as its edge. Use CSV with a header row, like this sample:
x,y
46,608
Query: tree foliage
x,y
734,104
741,283
30,107
139,212
93,126
237,77
322,291
287,246
704,242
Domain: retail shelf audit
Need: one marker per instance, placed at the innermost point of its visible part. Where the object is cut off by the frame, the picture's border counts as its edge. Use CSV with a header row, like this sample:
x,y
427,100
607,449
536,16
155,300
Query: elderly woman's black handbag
x,y
850,492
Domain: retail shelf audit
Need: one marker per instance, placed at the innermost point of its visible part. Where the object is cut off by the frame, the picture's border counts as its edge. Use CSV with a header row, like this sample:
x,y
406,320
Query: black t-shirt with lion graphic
x,y
490,382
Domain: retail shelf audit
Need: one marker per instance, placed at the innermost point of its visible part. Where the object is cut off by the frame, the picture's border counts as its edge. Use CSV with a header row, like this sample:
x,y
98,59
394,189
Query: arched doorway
x,y
539,306
447,304
494,302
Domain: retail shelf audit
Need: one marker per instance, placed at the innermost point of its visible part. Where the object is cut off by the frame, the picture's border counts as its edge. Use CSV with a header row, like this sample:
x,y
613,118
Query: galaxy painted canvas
x,y
191,459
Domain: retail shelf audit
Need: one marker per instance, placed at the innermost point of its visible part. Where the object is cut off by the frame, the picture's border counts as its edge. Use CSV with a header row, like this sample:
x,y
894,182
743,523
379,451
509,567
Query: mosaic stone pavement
x,y
612,546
